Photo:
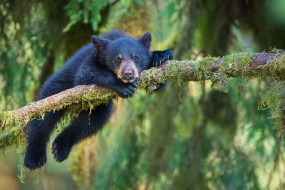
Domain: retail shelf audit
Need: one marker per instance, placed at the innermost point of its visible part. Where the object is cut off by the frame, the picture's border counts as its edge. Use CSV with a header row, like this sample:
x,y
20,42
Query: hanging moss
x,y
277,66
219,82
15,137
8,118
275,100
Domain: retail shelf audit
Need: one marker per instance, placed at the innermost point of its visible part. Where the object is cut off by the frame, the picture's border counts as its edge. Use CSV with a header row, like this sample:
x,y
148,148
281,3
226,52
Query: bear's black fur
x,y
114,63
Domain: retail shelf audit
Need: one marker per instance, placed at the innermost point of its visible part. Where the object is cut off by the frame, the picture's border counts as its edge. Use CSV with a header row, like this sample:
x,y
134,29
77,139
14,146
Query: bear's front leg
x,y
125,90
106,78
159,57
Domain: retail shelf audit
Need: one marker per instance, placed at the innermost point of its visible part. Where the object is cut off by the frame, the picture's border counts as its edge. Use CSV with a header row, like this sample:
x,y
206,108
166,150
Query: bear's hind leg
x,y
85,125
38,134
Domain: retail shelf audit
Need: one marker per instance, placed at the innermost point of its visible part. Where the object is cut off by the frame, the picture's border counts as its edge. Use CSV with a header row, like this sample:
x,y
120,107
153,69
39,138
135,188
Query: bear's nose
x,y
128,74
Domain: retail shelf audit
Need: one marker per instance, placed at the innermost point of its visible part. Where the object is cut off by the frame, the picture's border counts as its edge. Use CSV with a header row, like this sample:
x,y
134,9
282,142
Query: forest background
x,y
187,136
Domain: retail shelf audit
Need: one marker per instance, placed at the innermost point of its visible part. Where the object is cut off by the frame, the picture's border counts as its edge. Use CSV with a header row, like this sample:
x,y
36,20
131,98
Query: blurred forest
x,y
187,136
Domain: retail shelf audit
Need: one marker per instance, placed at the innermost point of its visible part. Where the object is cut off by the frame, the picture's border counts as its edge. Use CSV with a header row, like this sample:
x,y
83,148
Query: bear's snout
x,y
128,74
128,71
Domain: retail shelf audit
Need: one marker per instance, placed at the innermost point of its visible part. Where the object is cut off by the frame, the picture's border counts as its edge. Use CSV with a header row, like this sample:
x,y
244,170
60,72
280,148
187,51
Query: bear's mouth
x,y
127,80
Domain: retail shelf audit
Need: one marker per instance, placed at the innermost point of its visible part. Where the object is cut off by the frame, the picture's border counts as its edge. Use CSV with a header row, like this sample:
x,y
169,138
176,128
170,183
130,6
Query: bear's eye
x,y
135,58
118,60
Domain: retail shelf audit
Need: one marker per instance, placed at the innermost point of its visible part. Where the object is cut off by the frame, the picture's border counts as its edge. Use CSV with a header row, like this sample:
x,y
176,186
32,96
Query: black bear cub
x,y
114,61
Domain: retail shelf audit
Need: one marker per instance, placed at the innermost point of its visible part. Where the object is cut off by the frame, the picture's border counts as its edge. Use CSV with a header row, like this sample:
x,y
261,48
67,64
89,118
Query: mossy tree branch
x,y
209,68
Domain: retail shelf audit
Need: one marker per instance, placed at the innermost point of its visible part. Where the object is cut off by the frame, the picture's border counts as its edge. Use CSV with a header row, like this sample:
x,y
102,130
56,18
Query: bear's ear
x,y
100,43
146,39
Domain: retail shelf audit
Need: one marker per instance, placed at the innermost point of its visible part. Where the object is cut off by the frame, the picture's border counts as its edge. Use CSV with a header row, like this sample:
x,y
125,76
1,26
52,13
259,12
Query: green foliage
x,y
158,150
118,167
21,56
213,28
232,170
86,12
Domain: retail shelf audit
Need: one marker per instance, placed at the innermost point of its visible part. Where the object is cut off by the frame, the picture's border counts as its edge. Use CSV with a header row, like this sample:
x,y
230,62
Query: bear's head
x,y
125,56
